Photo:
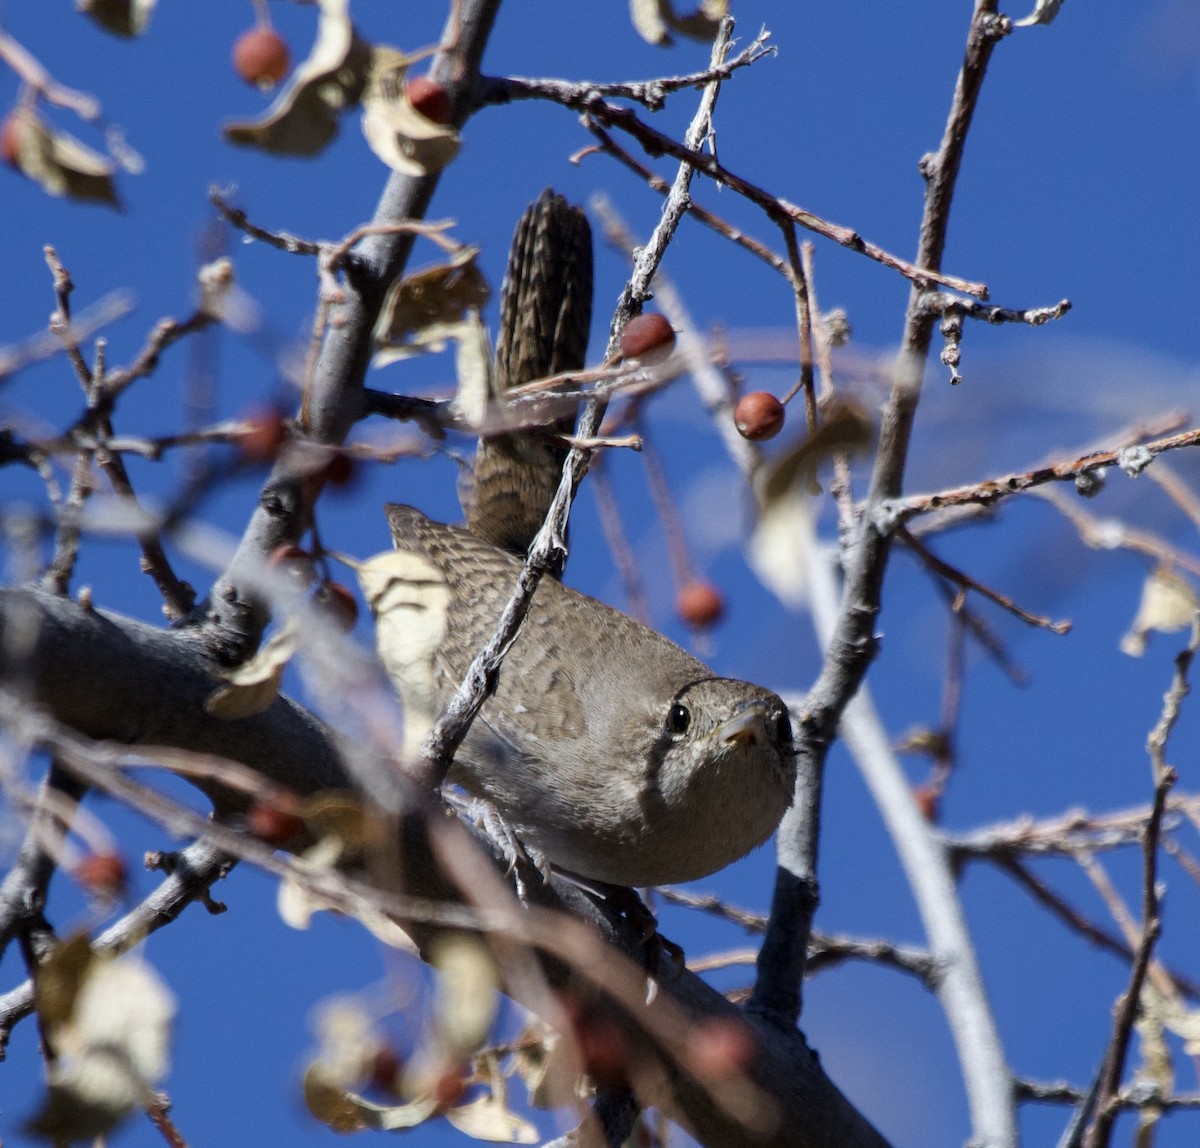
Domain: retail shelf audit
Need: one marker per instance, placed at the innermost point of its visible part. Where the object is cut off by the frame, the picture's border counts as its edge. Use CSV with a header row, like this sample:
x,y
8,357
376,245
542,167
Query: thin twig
x,y
1164,776
938,566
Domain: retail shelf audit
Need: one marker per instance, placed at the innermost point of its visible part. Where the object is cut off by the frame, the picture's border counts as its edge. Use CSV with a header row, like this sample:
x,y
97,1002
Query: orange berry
x,y
699,604
10,140
928,801
272,824
265,433
649,338
430,98
103,874
758,415
261,57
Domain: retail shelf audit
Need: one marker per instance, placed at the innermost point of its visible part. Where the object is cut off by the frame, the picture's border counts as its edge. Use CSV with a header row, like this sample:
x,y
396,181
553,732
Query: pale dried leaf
x,y
1043,13
1168,605
345,1111
489,1119
467,994
774,550
410,599
648,21
112,1050
123,17
304,117
654,20
407,141
253,687
295,902
424,311
473,369
61,164
543,1063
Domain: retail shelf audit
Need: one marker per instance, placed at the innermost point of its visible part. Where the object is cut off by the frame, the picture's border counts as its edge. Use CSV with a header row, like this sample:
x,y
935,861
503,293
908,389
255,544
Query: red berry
x,y
429,98
699,604
721,1047
10,140
261,57
758,415
265,433
928,801
648,338
384,1070
103,874
603,1049
341,605
272,824
449,1089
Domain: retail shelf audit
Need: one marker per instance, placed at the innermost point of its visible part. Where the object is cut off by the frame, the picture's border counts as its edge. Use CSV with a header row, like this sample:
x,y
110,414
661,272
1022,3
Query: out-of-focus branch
x,y
847,633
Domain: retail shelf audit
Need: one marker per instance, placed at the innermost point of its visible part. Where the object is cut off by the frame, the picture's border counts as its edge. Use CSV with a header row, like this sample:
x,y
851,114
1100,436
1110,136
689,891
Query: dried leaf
x,y
774,550
405,139
253,687
60,977
845,427
410,598
61,164
1168,604
112,1050
422,312
1043,13
488,1119
123,17
297,904
304,117
467,994
541,1062
473,368
654,20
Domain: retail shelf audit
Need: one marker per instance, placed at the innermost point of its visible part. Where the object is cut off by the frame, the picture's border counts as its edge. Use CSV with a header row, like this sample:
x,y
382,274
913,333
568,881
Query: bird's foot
x,y
520,858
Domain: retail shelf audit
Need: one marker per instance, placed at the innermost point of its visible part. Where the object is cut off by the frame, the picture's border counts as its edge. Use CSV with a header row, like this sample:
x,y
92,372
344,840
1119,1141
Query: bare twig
x,y
650,93
938,566
1132,459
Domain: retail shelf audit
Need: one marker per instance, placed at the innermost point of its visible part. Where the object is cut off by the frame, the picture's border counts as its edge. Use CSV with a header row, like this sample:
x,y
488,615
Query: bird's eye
x,y
783,728
679,718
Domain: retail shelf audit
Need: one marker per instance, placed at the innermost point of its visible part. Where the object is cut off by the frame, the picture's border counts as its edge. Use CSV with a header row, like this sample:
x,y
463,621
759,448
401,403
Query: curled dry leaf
x,y
253,687
111,1044
544,1062
403,137
423,311
1169,603
655,20
488,1118
1043,12
304,117
783,503
338,821
59,163
122,17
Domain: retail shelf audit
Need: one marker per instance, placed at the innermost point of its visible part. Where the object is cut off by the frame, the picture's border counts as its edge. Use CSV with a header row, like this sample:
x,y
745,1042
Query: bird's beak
x,y
747,727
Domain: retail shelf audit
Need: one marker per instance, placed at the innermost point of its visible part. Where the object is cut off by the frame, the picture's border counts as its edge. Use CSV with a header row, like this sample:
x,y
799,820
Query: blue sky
x,y
1079,181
